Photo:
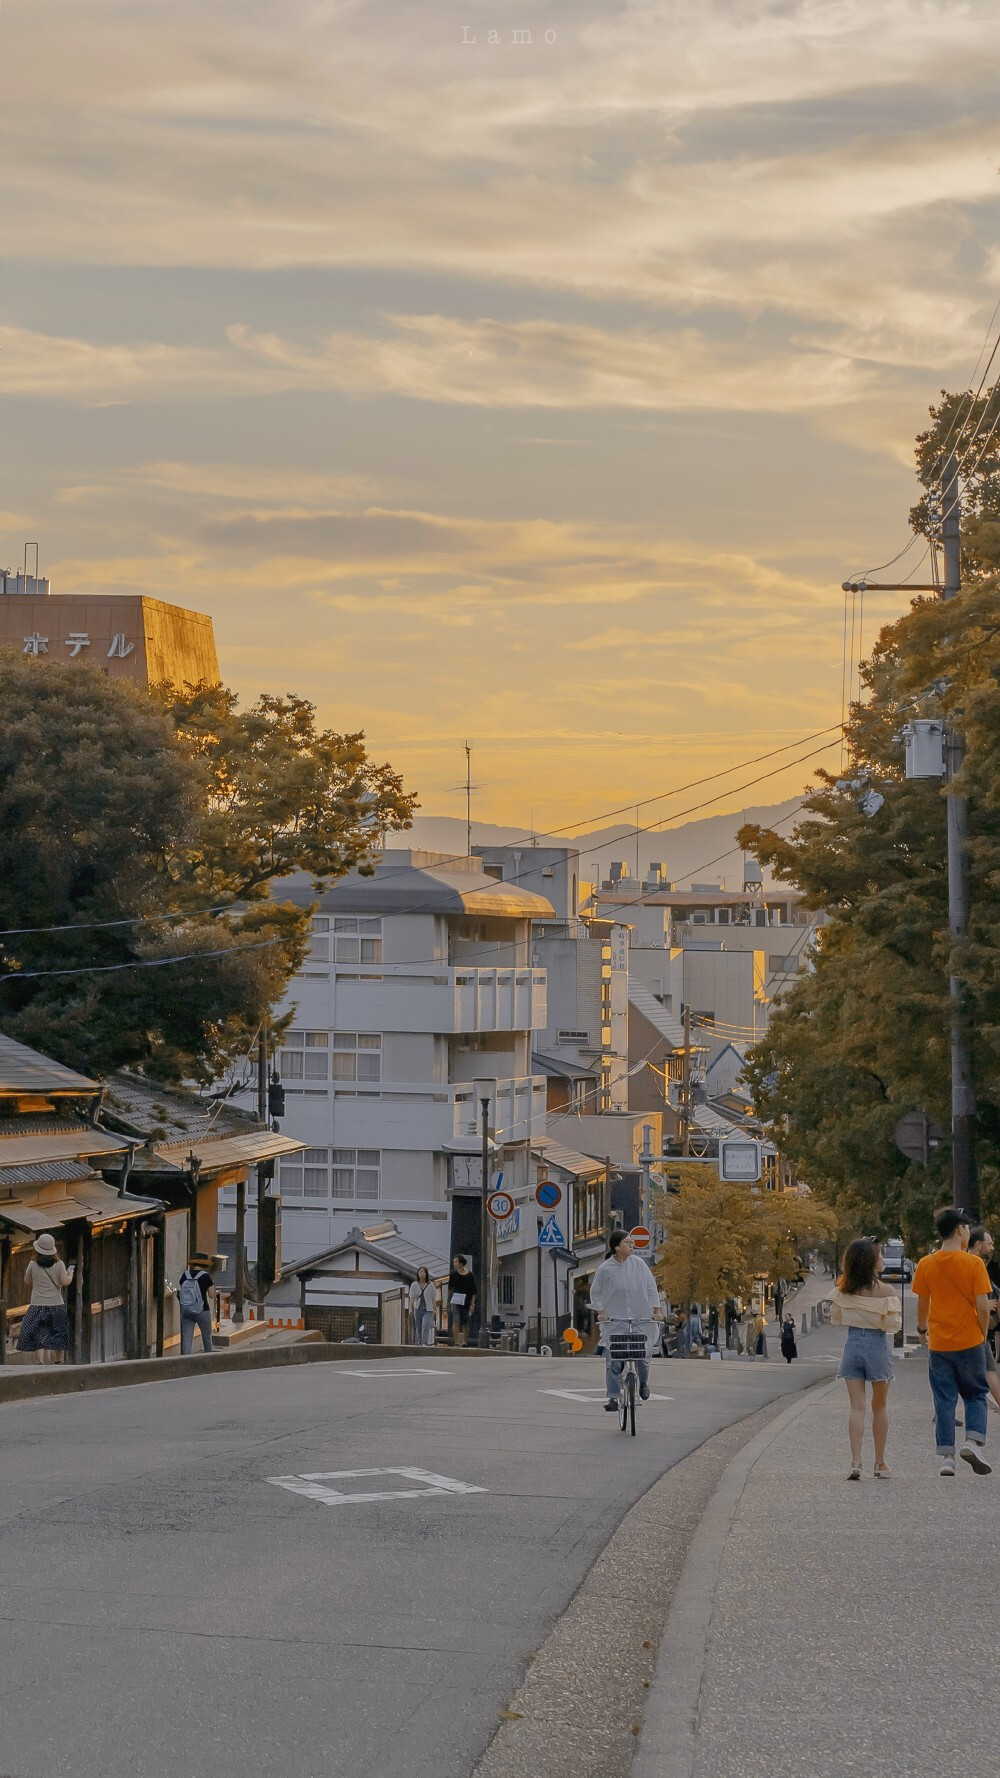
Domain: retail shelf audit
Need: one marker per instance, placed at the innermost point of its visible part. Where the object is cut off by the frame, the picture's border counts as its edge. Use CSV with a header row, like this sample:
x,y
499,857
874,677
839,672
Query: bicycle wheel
x,y
631,1403
623,1402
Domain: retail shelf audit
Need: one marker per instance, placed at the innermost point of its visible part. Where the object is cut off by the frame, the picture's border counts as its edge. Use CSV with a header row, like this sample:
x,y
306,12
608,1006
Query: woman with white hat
x,y
45,1327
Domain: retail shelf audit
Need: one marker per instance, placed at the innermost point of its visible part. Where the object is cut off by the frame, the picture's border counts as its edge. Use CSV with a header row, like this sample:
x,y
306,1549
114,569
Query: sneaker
x,y
947,1466
643,1391
611,1407
973,1456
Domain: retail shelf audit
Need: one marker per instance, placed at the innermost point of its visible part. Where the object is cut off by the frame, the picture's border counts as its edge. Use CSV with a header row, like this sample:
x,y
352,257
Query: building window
x,y
319,939
357,939
357,1055
505,1290
307,1174
357,1173
305,1055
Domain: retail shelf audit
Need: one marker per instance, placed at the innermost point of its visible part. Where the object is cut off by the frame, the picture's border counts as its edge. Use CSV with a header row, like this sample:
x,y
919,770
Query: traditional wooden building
x,y
188,1150
53,1152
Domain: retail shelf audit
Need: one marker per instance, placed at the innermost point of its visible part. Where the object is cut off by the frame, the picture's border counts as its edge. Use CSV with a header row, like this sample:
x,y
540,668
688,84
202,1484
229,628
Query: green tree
x,y
139,827
864,1034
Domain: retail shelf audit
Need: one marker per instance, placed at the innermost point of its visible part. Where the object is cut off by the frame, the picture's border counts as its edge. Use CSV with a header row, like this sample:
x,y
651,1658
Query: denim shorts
x,y
866,1356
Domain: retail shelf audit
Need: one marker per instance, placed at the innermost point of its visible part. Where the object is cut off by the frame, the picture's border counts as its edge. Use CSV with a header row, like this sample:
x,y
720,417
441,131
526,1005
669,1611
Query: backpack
x,y
189,1296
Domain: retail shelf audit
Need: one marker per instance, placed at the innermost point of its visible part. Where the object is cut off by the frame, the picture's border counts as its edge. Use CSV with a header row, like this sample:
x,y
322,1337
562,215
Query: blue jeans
x,y
188,1325
954,1374
423,1327
613,1368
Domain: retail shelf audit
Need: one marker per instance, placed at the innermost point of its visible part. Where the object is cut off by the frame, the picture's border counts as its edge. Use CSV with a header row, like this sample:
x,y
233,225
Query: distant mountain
x,y
702,851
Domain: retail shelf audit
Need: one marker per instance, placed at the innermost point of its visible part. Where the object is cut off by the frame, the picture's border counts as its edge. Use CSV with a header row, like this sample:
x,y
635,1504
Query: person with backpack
x,y
194,1287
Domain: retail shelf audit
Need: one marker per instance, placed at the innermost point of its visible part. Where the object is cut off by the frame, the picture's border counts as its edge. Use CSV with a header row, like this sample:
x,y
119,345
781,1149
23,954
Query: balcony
x,y
446,1002
446,1118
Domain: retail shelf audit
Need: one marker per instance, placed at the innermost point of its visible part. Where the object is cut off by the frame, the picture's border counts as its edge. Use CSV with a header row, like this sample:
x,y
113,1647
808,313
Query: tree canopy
x,y
721,1237
140,827
863,1036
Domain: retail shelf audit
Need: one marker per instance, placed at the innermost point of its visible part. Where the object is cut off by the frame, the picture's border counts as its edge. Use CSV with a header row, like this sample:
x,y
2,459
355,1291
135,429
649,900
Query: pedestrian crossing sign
x,y
551,1235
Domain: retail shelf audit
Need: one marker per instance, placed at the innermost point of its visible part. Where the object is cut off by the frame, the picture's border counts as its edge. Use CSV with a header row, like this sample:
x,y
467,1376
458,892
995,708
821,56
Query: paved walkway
x,y
823,1628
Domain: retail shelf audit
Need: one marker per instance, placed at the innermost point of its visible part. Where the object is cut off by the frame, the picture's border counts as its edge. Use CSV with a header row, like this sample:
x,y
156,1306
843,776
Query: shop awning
x,y
89,1201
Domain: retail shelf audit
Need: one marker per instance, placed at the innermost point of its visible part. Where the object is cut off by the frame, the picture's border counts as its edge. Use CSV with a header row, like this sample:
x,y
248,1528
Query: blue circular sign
x,y
548,1194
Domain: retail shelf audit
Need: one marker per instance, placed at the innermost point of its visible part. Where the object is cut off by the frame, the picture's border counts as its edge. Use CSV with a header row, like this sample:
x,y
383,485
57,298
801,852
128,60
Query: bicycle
x,y
629,1345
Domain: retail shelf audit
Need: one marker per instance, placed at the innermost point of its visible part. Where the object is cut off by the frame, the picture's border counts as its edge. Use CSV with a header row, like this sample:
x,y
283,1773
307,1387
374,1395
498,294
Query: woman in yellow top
x,y
870,1311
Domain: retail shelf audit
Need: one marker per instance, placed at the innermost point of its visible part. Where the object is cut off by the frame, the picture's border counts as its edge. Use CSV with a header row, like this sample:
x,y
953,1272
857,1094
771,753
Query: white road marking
x,y
415,1370
311,1485
587,1395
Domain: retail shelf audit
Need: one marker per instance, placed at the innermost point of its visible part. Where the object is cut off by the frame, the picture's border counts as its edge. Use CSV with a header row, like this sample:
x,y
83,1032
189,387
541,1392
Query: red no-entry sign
x,y
640,1237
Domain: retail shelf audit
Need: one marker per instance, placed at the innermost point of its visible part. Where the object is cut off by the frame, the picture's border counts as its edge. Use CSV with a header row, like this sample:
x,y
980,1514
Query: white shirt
x,y
624,1290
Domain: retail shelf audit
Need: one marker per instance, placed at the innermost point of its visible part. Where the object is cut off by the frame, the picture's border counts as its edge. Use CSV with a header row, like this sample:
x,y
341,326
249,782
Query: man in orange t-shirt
x,y
952,1287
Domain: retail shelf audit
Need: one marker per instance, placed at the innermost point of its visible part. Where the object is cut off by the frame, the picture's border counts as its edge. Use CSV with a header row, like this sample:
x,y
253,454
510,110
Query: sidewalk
x,y
823,1628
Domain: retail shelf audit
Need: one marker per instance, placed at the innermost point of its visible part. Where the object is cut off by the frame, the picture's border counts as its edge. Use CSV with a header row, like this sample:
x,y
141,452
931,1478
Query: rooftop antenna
x,y
468,788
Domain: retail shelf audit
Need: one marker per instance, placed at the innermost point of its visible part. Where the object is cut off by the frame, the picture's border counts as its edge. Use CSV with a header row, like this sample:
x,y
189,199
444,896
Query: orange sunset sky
x,y
540,393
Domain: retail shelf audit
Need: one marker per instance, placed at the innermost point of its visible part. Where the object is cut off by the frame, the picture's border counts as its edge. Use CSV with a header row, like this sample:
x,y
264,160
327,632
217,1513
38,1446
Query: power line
x,y
30,975
457,857
105,925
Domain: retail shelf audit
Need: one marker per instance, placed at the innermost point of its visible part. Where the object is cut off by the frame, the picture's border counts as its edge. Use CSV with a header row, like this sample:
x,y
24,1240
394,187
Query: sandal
x,y
855,1475
882,1472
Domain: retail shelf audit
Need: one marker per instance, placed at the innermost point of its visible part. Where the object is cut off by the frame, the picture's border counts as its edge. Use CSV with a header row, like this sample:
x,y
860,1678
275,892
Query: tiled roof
x,y
144,1105
24,1070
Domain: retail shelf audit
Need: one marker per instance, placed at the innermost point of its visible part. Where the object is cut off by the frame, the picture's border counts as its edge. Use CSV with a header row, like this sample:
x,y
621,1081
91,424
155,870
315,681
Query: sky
x,y
539,394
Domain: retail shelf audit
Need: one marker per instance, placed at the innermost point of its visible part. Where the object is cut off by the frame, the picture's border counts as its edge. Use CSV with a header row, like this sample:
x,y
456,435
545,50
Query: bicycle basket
x,y
628,1345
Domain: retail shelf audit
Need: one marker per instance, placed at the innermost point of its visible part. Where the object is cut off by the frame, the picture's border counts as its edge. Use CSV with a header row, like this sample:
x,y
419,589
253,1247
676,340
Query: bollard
x,y
815,1317
805,1322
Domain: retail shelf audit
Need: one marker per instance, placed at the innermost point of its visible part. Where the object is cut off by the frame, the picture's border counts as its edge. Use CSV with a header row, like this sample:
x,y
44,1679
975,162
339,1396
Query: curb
x,y
23,1384
668,1741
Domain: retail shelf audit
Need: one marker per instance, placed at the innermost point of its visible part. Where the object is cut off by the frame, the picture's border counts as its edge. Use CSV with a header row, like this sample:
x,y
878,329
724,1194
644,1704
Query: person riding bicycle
x,y
623,1290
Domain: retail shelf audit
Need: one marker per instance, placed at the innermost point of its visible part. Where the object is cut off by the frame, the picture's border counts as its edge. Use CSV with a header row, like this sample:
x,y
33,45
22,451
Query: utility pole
x,y
965,1183
484,1231
686,1080
262,1113
645,1163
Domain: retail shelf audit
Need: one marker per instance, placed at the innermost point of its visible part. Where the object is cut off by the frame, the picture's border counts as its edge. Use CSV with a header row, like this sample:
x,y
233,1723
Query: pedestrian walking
x,y
45,1328
952,1288
461,1300
981,1244
713,1326
194,1288
624,1290
422,1308
789,1348
871,1311
696,1333
779,1303
757,1336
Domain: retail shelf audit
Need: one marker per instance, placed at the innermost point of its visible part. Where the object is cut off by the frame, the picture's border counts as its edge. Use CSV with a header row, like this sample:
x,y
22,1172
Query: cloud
x,y
499,364
482,363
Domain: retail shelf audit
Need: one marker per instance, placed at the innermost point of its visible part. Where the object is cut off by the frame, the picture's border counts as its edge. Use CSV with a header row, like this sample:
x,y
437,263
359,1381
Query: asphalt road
x,y
168,1609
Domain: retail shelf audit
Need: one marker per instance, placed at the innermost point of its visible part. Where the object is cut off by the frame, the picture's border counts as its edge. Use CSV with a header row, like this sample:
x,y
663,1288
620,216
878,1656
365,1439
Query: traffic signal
x,y
275,1097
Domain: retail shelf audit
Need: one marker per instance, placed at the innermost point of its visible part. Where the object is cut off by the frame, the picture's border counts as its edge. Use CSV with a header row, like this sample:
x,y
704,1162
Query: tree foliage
x,y
139,827
721,1237
863,1036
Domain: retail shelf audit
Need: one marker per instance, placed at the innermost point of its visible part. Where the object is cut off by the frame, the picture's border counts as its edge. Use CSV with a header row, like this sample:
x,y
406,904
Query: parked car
x,y
895,1263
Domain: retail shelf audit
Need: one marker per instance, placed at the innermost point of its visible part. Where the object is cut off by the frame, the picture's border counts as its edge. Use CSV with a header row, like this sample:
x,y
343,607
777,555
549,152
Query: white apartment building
x,y
726,953
418,985
583,1050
